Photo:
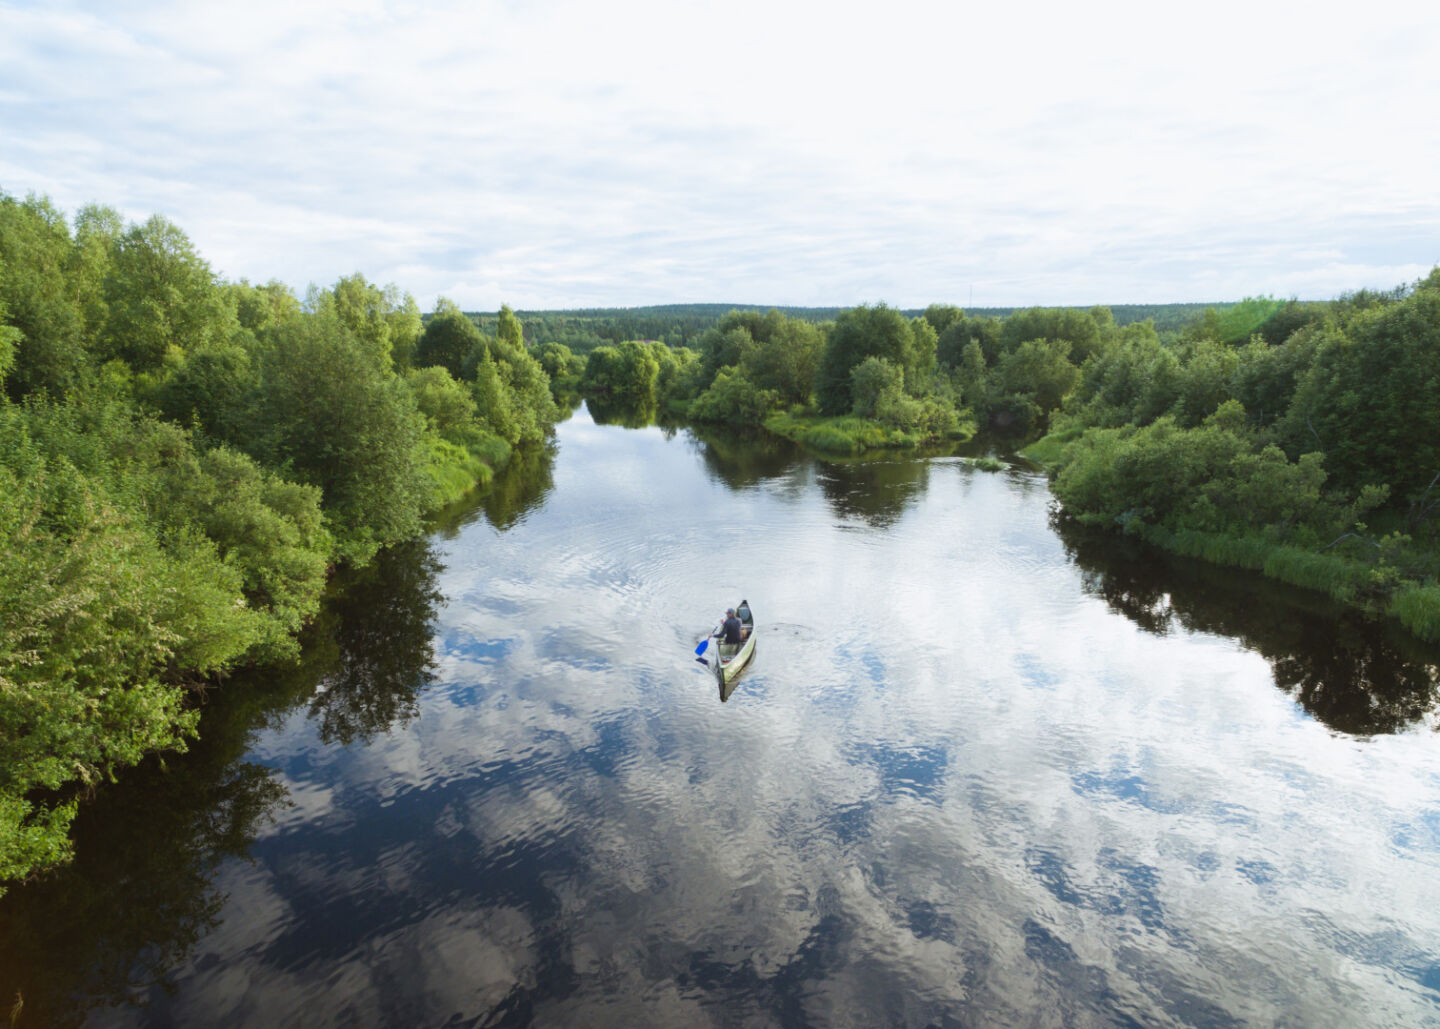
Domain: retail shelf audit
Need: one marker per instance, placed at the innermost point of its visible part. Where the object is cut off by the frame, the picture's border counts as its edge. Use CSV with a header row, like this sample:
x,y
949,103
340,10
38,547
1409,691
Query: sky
x,y
558,154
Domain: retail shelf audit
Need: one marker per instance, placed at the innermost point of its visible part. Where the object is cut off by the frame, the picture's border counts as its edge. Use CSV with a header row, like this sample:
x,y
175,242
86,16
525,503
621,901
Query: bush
x,y
734,399
847,435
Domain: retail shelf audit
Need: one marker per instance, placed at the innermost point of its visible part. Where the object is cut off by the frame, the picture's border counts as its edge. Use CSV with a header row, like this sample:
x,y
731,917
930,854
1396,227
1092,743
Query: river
x,y
984,769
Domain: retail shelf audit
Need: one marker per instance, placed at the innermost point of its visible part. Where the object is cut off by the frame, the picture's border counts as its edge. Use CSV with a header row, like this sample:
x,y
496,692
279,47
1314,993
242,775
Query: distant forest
x,y
678,325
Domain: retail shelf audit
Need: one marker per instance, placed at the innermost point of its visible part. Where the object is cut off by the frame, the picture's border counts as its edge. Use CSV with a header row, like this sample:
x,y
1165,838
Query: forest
x,y
681,325
183,461
1300,440
186,460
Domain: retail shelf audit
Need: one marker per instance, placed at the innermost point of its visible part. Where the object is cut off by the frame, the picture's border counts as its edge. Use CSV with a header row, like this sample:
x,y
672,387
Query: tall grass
x,y
1049,451
1337,576
1344,579
1341,578
1233,551
1418,608
843,435
454,470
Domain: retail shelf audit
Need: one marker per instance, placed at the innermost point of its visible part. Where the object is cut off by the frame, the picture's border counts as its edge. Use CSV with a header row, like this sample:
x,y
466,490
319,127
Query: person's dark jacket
x,y
731,630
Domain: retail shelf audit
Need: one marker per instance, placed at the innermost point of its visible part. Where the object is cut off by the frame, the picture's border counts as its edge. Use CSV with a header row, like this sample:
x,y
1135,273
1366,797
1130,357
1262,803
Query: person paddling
x,y
730,627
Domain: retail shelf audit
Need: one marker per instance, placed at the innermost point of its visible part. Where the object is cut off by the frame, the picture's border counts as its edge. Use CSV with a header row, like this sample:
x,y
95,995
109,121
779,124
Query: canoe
x,y
731,658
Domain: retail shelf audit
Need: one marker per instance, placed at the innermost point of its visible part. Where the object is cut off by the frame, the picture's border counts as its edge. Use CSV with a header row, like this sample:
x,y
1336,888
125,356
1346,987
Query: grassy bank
x,y
1385,578
455,471
847,434
1047,450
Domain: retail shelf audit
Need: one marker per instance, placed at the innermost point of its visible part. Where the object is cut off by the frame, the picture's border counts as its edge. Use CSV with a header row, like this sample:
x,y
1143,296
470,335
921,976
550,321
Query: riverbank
x,y
852,435
1376,576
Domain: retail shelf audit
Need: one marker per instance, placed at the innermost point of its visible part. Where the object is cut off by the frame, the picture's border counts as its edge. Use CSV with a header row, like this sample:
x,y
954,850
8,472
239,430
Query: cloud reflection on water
x,y
958,786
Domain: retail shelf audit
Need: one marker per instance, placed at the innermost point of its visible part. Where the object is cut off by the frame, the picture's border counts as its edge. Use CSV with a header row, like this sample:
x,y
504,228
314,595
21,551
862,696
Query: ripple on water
x,y
959,782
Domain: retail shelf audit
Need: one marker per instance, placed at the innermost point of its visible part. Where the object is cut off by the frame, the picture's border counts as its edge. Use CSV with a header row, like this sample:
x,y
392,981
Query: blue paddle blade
x,y
703,644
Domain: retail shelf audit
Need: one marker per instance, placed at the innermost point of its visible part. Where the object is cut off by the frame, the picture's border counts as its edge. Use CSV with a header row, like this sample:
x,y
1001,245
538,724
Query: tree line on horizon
x,y
681,325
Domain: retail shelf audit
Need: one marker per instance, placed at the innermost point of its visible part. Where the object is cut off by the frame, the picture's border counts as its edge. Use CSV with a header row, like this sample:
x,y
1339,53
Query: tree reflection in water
x,y
521,487
378,626
741,457
1355,675
877,492
629,416
107,928
517,489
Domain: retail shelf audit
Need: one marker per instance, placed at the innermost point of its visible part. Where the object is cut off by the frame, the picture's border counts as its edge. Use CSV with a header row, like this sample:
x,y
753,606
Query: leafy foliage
x,y
335,418
182,461
1239,446
627,373
448,339
860,333
733,398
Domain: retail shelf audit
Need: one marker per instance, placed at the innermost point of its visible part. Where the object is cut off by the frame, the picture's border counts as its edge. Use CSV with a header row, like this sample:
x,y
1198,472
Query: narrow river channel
x,y
984,769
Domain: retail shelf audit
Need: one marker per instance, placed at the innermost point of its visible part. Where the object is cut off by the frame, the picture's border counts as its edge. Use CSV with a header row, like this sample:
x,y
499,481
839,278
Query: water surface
x,y
985,768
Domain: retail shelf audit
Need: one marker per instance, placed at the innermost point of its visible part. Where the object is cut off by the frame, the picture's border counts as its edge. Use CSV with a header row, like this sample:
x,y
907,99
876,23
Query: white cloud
x,y
573,153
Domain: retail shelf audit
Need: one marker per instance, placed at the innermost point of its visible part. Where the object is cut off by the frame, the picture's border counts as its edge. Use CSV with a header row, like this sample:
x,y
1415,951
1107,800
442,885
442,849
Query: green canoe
x,y
731,658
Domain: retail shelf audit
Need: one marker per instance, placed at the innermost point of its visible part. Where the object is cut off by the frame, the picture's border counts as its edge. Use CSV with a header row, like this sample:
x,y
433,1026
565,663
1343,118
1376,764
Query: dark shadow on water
x,y
379,626
518,489
1354,674
743,457
877,492
140,893
625,415
109,928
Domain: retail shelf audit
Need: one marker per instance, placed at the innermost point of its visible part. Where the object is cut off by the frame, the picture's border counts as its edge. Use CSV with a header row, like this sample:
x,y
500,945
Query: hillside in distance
x,y
583,329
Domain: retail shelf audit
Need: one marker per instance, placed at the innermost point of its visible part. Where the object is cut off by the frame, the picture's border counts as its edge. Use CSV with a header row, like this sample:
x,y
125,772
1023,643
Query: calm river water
x,y
984,770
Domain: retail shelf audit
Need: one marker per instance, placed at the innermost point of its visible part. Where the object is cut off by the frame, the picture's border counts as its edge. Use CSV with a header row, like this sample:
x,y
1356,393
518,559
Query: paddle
x,y
706,641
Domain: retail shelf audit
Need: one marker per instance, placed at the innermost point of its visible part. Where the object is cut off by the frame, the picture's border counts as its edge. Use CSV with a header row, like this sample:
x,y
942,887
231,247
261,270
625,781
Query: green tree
x,y
494,406
9,337
35,254
871,381
727,347
338,418
561,364
258,308
508,329
215,390
972,376
787,361
448,407
859,333
961,332
626,374
448,339
678,381
735,399
1081,329
1368,398
161,295
96,230
1206,379
1038,370
942,316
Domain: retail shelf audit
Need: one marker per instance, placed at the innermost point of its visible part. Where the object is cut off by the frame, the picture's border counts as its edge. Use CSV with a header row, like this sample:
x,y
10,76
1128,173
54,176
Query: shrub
x,y
735,399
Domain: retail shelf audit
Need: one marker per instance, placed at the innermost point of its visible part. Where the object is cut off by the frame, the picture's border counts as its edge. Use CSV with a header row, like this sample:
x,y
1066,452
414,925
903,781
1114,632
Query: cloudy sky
x,y
563,154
